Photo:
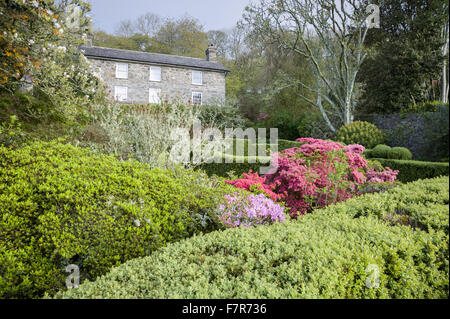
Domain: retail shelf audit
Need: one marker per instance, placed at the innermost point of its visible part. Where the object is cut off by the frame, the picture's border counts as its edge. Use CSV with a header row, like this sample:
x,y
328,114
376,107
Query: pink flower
x,y
316,174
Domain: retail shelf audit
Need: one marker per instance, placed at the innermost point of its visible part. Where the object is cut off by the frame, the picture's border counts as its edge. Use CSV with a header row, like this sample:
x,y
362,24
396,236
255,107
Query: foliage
x,y
143,133
181,36
287,124
306,28
326,255
313,125
380,151
436,133
40,49
221,116
317,174
11,134
410,171
251,210
360,132
400,153
424,107
64,205
31,108
238,166
406,55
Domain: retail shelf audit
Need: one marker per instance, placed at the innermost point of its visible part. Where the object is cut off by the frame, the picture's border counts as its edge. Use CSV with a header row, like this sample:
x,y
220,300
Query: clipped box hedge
x,y
244,165
410,171
362,248
64,205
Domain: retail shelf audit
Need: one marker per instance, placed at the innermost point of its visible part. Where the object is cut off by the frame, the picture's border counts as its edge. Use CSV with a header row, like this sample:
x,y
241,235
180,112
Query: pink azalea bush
x,y
250,210
316,174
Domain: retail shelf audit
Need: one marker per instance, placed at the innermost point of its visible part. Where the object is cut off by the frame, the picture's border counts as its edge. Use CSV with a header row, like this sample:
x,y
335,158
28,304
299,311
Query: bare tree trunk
x,y
444,90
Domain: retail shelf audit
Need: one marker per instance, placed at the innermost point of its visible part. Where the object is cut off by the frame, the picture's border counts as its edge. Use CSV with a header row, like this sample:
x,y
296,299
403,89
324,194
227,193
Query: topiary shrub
x,y
380,151
389,245
400,153
360,132
64,205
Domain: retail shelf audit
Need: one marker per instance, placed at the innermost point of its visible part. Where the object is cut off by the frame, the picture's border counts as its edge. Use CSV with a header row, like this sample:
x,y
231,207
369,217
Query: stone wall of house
x,y
175,84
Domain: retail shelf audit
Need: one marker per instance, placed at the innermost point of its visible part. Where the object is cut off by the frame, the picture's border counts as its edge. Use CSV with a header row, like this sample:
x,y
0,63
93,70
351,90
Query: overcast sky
x,y
213,14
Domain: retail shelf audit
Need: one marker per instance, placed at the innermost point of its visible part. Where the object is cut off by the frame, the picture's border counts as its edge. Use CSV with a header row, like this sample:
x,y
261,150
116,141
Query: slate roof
x,y
152,58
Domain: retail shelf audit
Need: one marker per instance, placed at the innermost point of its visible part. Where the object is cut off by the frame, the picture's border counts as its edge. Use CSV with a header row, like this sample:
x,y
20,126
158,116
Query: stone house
x,y
141,77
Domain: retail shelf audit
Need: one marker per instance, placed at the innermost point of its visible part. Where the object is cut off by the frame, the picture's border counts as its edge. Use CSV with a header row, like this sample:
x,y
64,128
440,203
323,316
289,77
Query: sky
x,y
212,14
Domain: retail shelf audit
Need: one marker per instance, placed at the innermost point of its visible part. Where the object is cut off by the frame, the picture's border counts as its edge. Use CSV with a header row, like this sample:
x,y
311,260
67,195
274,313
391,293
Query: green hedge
x,y
64,205
402,234
410,171
225,169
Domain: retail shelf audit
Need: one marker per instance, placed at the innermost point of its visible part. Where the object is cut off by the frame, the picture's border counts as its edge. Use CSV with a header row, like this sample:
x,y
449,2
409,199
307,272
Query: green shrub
x,y
410,171
400,153
402,234
64,205
360,132
27,107
380,151
240,165
11,133
368,153
429,106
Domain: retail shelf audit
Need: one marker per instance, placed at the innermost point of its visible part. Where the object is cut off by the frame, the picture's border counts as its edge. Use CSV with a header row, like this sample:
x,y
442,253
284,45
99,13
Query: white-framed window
x,y
197,77
155,73
121,93
154,96
122,71
197,98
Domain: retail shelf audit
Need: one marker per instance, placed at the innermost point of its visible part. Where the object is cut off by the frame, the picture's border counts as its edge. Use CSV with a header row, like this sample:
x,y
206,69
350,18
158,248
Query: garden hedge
x,y
410,171
64,205
224,169
356,249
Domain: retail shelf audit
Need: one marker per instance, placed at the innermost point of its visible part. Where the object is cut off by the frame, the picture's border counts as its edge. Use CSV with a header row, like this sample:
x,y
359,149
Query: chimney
x,y
211,53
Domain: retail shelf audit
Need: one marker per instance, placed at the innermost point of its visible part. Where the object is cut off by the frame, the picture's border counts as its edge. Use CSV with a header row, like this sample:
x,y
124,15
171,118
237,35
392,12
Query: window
x,y
154,96
197,77
121,93
155,73
197,98
121,71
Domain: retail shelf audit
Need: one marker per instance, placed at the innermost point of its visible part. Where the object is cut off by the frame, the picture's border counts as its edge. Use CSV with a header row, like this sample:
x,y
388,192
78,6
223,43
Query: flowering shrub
x,y
381,177
316,174
250,211
256,184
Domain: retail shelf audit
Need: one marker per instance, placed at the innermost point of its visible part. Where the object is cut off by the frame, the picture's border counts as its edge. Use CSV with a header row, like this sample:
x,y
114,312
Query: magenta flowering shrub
x,y
381,177
316,174
251,210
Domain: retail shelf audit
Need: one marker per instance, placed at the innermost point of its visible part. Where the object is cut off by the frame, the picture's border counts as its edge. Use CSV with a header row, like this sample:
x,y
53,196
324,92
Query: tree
x,y
330,36
125,28
148,24
40,45
407,55
444,83
220,41
184,36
